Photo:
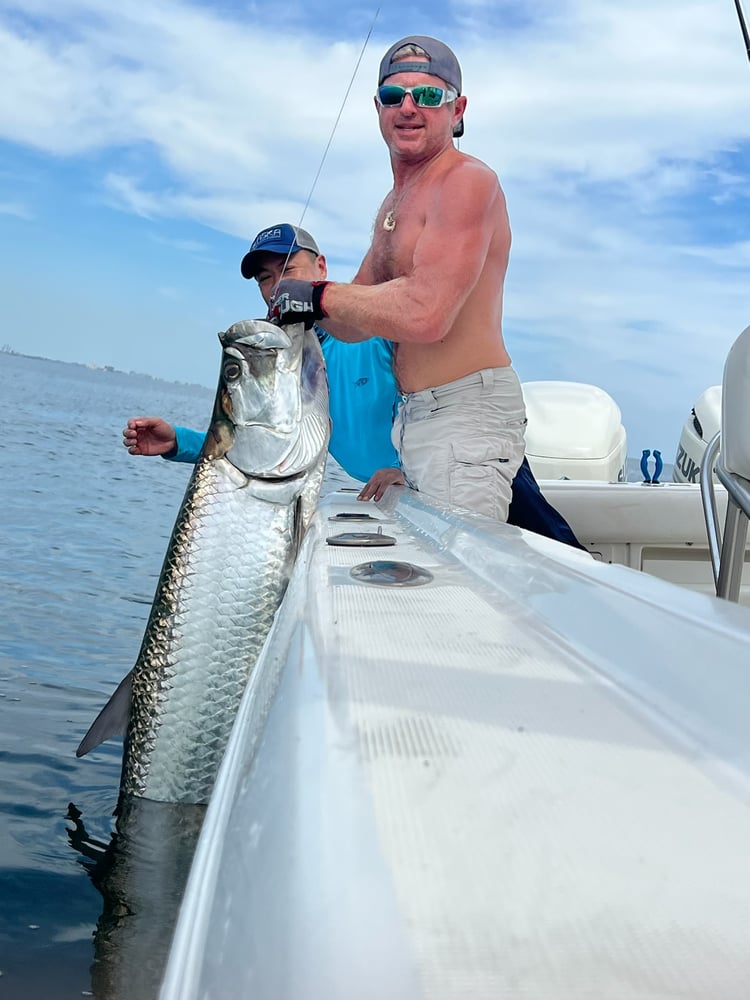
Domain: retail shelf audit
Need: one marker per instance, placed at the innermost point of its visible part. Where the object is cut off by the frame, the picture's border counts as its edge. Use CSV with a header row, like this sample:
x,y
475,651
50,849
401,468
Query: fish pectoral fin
x,y
113,718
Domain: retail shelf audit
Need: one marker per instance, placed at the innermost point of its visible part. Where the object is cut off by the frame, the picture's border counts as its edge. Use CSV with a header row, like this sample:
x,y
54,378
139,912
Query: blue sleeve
x,y
189,444
363,398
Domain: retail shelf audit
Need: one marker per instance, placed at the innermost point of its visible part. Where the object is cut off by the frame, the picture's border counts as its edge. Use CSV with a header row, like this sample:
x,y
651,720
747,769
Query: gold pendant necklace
x,y
389,222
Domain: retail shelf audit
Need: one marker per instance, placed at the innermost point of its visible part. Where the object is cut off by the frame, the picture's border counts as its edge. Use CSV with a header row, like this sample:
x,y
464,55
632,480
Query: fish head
x,y
262,414
252,383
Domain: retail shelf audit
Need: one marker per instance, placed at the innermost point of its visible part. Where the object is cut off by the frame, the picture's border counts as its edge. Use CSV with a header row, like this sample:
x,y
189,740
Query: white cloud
x,y
615,128
188,246
732,255
17,209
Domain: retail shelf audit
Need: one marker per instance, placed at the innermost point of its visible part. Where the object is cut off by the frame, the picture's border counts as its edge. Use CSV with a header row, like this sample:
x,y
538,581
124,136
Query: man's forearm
x,y
343,331
417,308
397,310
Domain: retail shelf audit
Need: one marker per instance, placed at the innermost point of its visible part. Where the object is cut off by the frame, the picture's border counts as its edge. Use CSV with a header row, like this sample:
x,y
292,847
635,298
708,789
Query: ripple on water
x,y
83,533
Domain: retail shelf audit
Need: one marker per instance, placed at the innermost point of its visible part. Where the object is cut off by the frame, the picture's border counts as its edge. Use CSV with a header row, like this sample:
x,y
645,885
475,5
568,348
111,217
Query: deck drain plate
x,y
345,516
361,538
387,573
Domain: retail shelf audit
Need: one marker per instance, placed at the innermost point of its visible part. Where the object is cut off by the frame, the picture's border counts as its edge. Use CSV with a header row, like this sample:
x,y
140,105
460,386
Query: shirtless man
x,y
362,396
432,282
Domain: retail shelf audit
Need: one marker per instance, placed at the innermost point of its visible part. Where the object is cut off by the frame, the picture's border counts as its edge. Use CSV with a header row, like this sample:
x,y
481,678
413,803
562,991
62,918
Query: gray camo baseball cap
x,y
442,63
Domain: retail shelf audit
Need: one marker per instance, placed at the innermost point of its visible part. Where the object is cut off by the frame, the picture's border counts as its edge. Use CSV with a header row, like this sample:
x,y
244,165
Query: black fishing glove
x,y
296,301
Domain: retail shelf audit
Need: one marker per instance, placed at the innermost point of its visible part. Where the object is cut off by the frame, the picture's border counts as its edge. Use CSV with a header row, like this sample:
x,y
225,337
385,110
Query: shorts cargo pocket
x,y
480,479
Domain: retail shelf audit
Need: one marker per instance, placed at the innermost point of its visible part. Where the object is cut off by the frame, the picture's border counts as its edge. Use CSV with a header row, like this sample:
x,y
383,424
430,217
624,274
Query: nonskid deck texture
x,y
527,778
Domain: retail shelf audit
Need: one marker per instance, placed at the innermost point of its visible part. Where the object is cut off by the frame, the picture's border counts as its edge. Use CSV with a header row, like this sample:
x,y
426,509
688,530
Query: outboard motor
x,y
703,423
574,431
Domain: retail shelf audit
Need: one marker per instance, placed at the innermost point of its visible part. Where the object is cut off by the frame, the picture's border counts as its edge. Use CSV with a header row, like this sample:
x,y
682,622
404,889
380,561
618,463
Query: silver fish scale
x,y
232,550
223,577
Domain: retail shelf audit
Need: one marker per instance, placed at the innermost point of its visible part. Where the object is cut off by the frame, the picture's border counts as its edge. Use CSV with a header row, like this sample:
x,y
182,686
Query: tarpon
x,y
141,874
253,490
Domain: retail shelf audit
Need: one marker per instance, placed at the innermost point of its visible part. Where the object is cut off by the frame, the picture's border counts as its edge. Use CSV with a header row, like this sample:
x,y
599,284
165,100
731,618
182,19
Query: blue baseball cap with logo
x,y
283,239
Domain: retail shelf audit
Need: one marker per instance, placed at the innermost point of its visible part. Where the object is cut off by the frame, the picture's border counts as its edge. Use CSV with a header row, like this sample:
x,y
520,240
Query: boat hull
x,y
508,780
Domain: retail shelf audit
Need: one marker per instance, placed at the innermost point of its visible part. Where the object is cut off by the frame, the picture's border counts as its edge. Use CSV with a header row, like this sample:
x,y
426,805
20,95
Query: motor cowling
x,y
701,425
574,431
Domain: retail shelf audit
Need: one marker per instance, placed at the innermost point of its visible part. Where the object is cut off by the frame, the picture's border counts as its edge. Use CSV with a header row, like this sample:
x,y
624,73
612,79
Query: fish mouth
x,y
291,478
256,333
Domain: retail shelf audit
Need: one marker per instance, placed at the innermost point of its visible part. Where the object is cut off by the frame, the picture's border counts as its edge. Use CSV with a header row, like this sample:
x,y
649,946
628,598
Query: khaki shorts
x,y
463,442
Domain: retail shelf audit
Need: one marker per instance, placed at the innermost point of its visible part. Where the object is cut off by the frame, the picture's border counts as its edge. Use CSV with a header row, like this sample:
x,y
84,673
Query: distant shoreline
x,y
95,367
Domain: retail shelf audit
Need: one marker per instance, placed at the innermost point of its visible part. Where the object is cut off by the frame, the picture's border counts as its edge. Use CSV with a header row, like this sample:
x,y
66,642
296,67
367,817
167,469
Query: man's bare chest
x,y
385,257
393,248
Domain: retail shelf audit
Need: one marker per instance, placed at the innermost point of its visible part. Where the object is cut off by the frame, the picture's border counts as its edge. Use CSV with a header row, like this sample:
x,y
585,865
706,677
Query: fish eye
x,y
232,371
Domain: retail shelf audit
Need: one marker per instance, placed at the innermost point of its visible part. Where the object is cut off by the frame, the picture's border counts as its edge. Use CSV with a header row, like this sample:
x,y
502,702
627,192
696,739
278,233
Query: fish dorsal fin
x,y
113,718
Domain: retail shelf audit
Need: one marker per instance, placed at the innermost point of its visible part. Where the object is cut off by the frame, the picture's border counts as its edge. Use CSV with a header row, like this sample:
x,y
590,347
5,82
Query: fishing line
x,y
333,131
743,26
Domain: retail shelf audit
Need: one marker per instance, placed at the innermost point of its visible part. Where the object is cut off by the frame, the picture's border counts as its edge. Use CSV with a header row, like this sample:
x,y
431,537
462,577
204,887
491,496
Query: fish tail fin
x,y
113,718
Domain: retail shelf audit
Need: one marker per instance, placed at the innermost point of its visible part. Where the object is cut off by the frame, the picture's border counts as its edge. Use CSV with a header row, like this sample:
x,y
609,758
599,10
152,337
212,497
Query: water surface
x,y
83,530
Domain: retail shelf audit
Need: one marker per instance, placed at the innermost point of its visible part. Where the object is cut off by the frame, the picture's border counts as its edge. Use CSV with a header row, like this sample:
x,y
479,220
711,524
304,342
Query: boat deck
x,y
528,777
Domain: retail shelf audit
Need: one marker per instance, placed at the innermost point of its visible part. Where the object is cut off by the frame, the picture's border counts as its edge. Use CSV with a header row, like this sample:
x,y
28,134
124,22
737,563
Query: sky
x,y
142,145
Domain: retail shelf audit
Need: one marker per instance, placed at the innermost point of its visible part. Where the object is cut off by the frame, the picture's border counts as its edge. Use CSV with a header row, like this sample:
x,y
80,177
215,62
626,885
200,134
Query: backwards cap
x,y
441,62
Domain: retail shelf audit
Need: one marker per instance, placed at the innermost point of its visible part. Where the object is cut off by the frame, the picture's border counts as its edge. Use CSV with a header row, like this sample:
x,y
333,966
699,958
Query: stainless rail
x,y
727,553
728,454
710,512
735,533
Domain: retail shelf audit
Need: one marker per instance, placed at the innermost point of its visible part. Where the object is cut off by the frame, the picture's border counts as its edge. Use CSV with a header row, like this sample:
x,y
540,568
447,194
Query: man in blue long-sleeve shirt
x,y
362,392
